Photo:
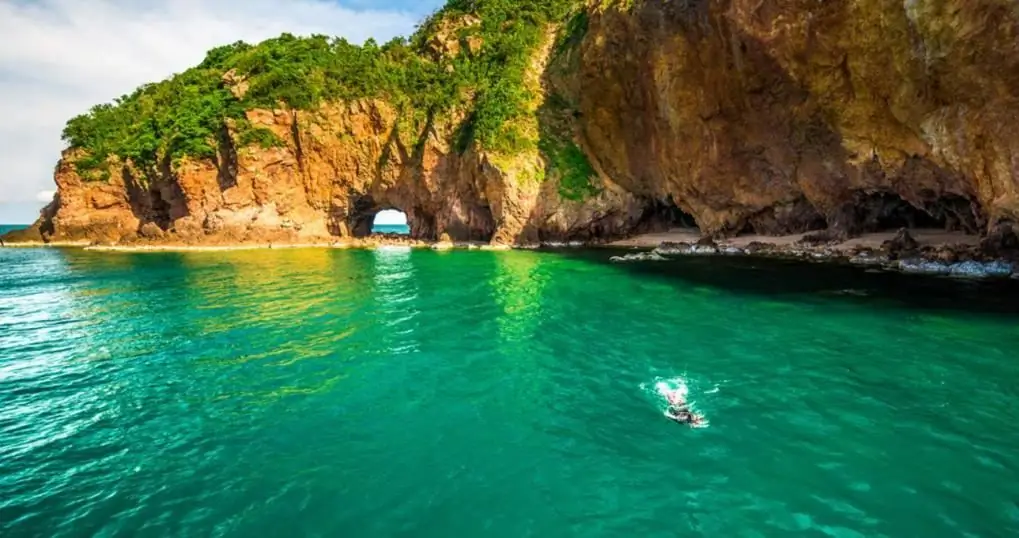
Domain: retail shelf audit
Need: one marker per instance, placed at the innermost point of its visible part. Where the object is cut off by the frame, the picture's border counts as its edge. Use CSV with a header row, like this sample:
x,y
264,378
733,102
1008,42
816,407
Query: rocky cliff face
x,y
741,115
782,116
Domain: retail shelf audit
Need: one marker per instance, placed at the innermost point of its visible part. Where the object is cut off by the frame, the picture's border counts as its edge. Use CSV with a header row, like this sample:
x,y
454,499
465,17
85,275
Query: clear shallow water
x,y
391,229
398,393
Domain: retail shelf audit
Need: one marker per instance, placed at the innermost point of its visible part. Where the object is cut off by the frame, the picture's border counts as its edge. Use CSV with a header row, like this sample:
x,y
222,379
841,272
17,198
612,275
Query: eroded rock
x,y
903,244
745,116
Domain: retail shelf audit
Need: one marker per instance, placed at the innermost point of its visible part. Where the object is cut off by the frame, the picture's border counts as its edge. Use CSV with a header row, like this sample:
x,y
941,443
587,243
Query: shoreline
x,y
918,251
43,244
266,245
925,237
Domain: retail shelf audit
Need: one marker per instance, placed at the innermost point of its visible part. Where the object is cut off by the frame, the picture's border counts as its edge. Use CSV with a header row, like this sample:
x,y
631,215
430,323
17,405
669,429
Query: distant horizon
x,y
390,217
51,73
20,211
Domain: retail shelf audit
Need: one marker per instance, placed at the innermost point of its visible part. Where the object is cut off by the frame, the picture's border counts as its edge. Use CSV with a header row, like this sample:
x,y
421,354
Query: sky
x,y
390,216
58,58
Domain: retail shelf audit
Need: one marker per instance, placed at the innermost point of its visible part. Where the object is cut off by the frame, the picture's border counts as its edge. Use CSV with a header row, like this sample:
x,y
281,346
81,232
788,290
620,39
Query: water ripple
x,y
400,393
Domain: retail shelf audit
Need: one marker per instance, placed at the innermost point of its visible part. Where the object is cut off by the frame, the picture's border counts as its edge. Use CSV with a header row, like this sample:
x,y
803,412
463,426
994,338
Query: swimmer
x,y
686,416
676,398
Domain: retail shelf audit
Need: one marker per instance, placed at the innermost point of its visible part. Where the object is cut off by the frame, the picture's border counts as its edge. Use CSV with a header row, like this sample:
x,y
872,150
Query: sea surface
x,y
397,393
4,228
402,229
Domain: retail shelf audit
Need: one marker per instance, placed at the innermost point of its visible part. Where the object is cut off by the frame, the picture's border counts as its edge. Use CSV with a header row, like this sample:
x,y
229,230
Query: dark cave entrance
x,y
885,211
665,215
160,209
390,221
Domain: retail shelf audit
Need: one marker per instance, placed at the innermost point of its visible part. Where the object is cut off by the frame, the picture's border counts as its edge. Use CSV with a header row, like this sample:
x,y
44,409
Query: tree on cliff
x,y
183,116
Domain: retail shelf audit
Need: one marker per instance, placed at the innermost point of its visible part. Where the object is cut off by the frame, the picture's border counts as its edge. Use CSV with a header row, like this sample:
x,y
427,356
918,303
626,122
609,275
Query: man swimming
x,y
676,398
679,409
685,416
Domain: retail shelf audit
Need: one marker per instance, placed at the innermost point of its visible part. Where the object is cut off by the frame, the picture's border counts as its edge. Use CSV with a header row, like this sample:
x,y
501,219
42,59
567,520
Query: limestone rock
x,y
150,230
741,115
902,244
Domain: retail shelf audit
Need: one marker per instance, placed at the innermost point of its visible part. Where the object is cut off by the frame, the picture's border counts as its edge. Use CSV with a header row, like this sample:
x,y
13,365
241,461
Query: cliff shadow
x,y
226,160
155,196
800,280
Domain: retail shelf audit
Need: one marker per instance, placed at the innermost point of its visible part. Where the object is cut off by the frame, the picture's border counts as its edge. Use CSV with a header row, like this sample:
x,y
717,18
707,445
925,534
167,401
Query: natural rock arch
x,y
387,218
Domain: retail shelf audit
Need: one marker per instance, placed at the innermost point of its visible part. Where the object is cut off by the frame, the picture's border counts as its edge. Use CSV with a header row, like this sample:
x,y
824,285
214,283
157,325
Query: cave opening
x,y
160,209
884,211
390,221
666,215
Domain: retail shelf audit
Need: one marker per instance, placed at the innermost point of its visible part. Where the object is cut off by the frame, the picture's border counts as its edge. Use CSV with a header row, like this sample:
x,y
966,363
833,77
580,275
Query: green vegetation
x,y
186,115
573,33
575,171
564,156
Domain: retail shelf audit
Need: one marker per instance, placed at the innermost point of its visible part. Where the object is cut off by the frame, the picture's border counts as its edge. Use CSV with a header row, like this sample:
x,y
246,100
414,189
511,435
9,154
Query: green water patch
x,y
467,393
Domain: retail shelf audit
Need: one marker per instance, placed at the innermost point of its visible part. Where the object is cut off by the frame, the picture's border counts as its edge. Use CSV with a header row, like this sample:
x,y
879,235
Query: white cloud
x,y
44,196
60,57
390,217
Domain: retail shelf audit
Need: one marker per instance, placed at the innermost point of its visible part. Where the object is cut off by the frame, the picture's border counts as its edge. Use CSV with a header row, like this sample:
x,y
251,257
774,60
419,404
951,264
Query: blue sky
x,y
60,57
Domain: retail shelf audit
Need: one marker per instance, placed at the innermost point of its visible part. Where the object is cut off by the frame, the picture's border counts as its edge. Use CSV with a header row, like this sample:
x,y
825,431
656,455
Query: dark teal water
x,y
398,393
391,229
4,228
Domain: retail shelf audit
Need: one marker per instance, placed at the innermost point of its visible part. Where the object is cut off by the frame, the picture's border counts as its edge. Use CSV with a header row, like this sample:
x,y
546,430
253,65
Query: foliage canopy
x,y
185,115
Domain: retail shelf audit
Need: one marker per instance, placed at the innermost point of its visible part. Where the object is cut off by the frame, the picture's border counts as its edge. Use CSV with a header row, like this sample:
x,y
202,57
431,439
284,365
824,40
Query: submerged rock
x,y
967,269
972,269
670,248
869,257
924,267
639,257
704,250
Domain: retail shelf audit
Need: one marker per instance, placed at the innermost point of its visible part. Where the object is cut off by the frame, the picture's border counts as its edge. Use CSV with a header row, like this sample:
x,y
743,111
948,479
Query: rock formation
x,y
741,115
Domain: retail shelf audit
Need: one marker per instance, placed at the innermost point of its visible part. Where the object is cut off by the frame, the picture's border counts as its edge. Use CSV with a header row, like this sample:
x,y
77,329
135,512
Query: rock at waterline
x,y
869,257
967,269
682,249
669,248
902,244
638,257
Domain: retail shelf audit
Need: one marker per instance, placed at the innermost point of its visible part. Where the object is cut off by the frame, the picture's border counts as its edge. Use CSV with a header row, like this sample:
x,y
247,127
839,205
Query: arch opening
x,y
390,222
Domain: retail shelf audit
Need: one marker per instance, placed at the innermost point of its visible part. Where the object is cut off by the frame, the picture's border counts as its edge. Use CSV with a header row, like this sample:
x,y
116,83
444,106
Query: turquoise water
x,y
4,228
398,393
391,229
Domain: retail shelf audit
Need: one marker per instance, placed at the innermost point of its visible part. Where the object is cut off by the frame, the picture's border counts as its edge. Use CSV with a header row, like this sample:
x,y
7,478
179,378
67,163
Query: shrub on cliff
x,y
185,115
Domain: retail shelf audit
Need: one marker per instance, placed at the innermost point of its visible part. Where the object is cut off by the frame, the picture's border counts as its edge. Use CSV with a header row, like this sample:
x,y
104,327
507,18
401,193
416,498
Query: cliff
x,y
736,115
